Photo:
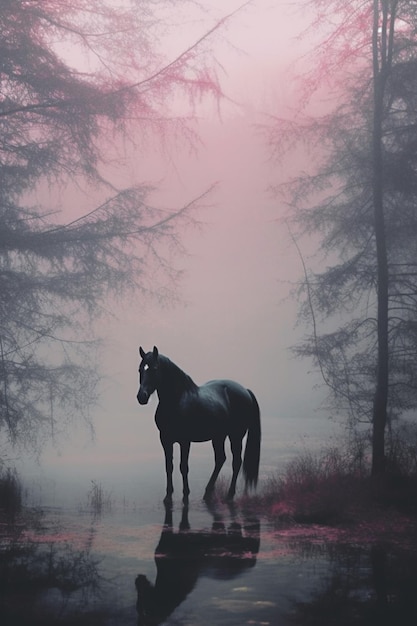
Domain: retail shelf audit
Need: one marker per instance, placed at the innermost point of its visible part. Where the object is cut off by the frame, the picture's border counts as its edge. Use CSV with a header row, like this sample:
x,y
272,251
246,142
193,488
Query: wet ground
x,y
106,552
129,563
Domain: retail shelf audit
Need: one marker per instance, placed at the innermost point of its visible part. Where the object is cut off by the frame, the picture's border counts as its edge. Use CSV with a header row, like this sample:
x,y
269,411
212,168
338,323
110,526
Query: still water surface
x,y
132,562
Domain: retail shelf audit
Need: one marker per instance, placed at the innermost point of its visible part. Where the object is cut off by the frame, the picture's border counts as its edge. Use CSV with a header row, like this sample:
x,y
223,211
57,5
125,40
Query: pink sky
x,y
236,320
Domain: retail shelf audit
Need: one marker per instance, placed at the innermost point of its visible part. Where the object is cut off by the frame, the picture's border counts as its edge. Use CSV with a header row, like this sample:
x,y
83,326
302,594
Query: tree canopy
x,y
362,202
73,77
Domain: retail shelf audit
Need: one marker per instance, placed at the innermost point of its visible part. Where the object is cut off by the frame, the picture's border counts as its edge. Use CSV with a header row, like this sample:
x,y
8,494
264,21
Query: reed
x,y
99,500
10,492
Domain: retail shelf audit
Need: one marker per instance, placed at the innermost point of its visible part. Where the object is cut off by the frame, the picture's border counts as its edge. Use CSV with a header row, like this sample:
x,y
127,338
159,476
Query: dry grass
x,y
315,489
335,486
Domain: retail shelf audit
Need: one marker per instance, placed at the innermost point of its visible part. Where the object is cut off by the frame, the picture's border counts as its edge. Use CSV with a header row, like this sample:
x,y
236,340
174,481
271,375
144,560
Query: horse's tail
x,y
253,446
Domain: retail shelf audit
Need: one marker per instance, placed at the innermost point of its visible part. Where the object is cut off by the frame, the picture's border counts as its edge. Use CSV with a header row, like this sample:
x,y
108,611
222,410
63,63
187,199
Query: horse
x,y
225,551
212,412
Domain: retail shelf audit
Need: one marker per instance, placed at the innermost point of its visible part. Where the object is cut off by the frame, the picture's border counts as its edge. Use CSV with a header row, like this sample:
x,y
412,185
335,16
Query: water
x,y
108,553
224,567
136,472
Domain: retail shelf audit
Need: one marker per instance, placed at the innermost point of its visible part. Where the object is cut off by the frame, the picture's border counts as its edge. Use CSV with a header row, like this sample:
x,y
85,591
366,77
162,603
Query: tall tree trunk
x,y
383,31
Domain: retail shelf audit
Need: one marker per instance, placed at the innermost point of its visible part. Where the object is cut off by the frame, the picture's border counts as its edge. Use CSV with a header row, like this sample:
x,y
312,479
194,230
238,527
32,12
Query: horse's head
x,y
148,374
145,605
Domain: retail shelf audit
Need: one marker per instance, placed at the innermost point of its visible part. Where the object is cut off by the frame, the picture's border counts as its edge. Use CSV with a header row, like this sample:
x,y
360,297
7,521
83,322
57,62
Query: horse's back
x,y
231,399
215,409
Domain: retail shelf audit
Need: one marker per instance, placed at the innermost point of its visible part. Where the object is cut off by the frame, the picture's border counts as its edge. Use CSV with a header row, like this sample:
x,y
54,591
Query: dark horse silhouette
x,y
214,411
182,557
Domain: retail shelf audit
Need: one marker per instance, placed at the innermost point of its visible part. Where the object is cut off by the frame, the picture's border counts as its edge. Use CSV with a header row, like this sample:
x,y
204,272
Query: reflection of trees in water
x,y
53,582
183,556
44,582
365,586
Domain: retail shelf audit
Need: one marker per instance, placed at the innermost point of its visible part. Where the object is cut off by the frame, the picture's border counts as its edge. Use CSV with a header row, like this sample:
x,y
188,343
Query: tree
x,y
364,206
55,119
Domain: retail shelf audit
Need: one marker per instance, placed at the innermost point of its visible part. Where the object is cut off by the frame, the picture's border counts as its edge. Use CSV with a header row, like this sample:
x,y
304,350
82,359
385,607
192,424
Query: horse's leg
x,y
219,459
185,452
168,517
168,447
236,445
184,523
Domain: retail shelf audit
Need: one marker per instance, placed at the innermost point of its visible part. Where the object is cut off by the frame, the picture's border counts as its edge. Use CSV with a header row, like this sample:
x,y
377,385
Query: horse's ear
x,y
155,352
142,352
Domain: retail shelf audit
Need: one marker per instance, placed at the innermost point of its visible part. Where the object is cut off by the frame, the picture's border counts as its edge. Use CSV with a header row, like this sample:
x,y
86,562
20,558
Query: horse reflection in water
x,y
184,556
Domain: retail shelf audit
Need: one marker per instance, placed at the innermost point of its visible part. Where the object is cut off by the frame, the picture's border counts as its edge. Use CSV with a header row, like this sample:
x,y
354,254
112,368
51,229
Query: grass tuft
x,y
99,500
10,493
318,489
336,487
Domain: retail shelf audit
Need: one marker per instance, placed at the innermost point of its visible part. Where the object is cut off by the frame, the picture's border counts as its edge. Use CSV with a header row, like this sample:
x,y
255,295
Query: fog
x,y
235,316
98,540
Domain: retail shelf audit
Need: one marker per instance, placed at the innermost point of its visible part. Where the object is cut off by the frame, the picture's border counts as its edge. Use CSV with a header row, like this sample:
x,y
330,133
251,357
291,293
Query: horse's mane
x,y
177,376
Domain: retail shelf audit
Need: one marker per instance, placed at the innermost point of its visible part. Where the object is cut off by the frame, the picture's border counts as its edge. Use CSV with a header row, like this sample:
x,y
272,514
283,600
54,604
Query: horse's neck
x,y
174,381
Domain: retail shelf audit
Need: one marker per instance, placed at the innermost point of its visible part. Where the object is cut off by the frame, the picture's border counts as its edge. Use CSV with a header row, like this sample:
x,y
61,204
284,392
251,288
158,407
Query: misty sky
x,y
235,317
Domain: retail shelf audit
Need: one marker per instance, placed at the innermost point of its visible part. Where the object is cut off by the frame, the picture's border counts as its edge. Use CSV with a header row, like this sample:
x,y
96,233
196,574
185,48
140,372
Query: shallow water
x,y
108,553
136,472
205,566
